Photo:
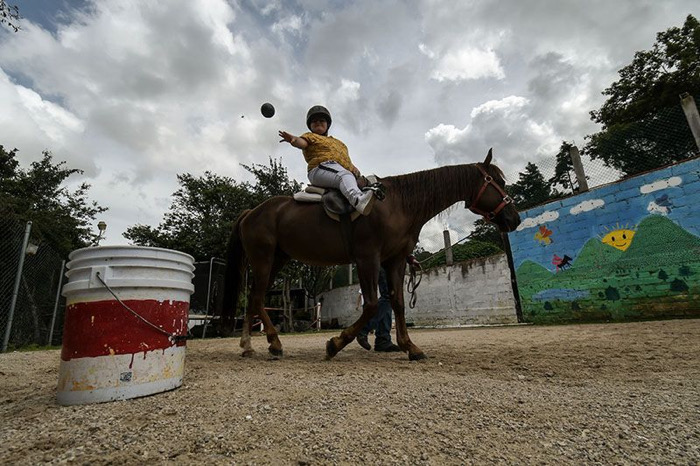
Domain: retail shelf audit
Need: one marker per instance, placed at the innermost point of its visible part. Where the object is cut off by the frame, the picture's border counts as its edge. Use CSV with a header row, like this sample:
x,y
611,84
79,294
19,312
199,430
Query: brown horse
x,y
281,228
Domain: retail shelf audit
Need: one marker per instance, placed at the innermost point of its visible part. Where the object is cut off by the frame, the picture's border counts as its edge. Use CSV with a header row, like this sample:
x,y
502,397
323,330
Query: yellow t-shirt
x,y
323,149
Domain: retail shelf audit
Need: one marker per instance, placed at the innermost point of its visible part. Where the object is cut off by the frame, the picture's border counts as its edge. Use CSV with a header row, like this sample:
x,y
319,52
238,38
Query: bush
x,y
463,252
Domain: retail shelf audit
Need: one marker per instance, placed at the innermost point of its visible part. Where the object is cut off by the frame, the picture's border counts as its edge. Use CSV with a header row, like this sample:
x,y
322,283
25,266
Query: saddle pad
x,y
315,189
303,196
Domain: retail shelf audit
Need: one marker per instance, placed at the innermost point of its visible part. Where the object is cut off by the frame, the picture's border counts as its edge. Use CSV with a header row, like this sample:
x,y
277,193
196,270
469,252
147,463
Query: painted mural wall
x,y
625,251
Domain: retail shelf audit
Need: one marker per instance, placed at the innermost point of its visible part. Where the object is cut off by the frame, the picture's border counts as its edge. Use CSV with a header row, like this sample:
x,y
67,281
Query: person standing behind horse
x,y
329,165
381,322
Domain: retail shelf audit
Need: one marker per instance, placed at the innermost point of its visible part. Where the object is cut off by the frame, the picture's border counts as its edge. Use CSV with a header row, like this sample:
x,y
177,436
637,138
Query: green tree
x,y
61,217
205,208
486,232
563,170
271,180
531,189
200,218
9,15
642,124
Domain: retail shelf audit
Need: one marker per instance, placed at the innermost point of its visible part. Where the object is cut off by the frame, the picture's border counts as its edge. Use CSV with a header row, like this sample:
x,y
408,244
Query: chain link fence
x,y
660,140
31,308
208,297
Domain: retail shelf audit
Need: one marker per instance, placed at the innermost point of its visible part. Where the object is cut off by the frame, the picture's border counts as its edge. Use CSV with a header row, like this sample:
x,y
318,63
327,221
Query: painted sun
x,y
619,238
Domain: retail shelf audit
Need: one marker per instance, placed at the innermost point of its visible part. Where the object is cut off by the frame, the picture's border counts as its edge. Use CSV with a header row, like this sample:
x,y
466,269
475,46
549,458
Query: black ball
x,y
267,110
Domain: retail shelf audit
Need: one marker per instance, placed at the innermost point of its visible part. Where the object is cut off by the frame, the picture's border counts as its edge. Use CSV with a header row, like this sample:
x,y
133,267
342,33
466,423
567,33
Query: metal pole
x,y
318,316
349,274
55,305
513,278
578,169
448,247
206,312
691,114
15,292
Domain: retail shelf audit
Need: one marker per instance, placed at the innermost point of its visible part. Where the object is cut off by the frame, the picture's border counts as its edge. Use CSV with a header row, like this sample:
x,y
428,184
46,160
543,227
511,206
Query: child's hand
x,y
299,143
286,137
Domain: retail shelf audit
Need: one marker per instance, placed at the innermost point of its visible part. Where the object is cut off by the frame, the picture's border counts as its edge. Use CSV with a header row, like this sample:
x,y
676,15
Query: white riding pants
x,y
334,175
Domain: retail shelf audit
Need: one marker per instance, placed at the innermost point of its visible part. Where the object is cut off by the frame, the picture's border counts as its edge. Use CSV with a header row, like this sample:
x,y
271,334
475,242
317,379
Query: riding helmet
x,y
318,110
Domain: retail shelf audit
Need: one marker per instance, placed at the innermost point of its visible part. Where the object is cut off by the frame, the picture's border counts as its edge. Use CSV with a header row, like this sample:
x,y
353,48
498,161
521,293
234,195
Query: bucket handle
x,y
171,336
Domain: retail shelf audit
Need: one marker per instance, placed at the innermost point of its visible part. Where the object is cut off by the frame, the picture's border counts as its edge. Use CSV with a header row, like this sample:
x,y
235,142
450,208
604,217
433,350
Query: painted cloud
x,y
660,184
544,217
587,206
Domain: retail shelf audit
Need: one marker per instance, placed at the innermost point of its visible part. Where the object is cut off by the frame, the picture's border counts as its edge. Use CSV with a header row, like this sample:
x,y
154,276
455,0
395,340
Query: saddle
x,y
334,203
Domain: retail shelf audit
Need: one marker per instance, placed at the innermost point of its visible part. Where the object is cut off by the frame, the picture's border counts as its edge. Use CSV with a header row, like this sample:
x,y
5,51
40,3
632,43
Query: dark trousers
x,y
381,322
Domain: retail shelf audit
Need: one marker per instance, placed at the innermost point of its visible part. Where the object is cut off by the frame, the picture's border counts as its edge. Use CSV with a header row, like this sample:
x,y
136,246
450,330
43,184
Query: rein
x,y
506,199
414,267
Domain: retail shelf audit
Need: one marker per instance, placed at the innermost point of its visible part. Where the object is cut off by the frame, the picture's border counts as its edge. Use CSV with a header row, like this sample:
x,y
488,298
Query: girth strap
x,y
346,233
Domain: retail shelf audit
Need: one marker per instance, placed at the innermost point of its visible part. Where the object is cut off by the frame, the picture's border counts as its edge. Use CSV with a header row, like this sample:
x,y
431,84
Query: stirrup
x,y
378,189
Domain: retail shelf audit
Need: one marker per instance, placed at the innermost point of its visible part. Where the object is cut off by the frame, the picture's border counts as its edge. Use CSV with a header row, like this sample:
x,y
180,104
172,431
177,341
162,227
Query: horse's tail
x,y
235,266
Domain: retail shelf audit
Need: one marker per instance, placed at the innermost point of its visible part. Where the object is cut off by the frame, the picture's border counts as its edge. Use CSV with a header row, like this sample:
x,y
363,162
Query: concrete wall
x,y
476,292
624,251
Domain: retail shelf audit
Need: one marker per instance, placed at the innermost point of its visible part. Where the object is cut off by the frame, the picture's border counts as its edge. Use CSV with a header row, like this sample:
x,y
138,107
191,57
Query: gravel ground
x,y
580,394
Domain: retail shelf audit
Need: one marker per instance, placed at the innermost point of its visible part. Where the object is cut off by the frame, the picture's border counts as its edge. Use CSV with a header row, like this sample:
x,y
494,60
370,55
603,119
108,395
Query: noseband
x,y
506,199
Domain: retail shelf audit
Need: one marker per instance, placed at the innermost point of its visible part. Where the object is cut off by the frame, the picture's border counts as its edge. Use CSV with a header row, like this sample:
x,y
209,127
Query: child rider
x,y
329,164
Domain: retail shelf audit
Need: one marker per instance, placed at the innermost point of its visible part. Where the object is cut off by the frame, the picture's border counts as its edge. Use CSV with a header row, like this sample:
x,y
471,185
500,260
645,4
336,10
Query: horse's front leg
x,y
369,275
395,273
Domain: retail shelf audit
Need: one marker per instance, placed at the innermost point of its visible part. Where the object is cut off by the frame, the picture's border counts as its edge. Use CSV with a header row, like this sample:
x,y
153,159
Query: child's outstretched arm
x,y
297,142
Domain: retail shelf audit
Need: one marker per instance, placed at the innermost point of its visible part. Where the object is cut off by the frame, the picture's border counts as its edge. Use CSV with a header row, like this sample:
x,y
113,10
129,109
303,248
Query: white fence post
x,y
578,169
691,114
448,247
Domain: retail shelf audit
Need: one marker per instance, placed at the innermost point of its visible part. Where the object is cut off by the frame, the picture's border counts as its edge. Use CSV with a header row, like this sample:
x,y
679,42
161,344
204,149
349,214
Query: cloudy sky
x,y
134,92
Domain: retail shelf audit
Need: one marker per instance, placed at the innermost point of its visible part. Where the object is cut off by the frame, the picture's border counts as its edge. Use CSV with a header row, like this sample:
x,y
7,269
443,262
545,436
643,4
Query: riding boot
x,y
363,342
385,346
362,204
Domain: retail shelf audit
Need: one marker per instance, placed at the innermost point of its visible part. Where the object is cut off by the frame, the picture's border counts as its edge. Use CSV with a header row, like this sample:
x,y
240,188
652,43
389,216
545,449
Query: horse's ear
x,y
489,156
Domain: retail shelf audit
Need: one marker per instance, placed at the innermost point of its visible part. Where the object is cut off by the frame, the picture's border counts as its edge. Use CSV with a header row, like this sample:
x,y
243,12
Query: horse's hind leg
x,y
245,335
275,347
263,274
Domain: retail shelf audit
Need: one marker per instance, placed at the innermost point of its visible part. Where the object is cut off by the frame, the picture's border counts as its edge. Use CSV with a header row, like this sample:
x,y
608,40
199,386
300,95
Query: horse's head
x,y
491,199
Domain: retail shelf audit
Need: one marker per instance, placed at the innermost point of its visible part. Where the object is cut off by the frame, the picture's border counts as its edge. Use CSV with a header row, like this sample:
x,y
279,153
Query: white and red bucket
x,y
131,345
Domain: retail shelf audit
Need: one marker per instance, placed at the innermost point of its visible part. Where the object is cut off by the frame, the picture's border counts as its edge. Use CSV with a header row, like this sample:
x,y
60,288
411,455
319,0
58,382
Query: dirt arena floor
x,y
580,394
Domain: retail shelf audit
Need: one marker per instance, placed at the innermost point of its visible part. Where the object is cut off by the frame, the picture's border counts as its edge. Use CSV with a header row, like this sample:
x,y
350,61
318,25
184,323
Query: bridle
x,y
506,199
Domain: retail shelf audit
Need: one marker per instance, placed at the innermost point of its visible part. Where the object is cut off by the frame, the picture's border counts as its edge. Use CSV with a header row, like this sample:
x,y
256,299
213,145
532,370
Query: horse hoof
x,y
248,353
417,357
331,350
278,353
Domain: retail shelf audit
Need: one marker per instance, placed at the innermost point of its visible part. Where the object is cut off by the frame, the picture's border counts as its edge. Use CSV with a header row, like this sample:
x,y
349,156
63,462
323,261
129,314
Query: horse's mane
x,y
425,192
